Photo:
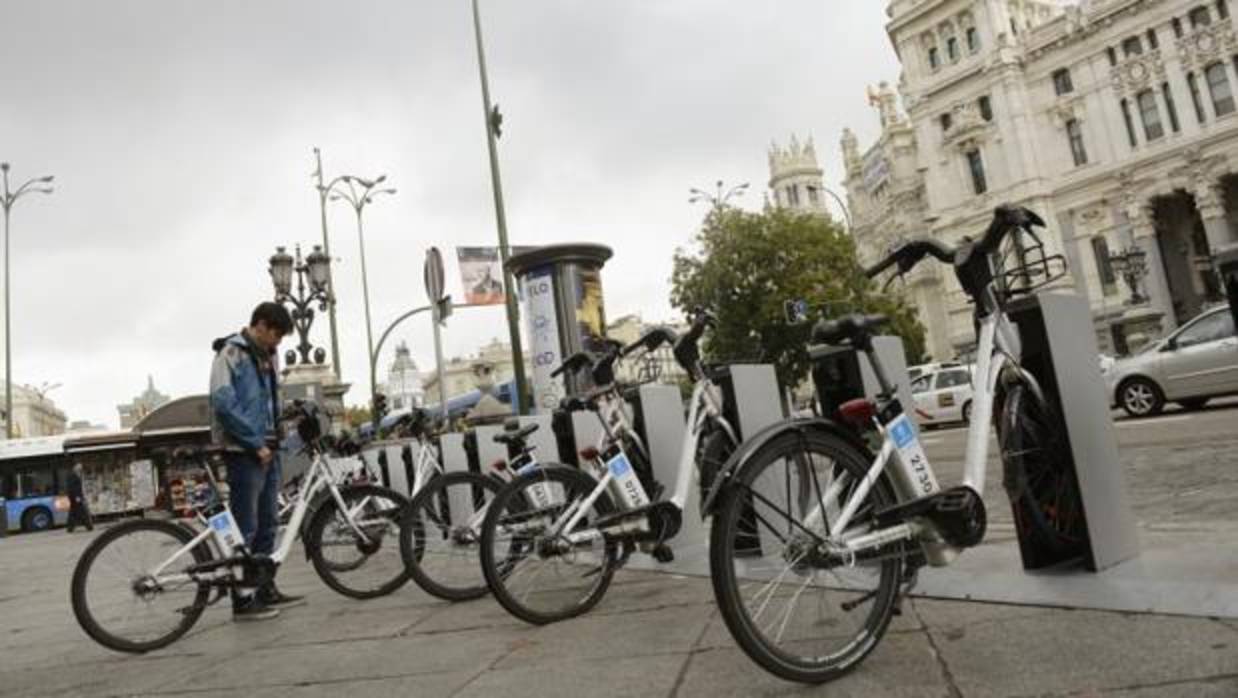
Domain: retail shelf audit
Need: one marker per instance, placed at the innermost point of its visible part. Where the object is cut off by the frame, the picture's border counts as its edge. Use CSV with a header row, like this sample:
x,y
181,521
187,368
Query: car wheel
x,y
1194,403
36,519
1141,397
967,413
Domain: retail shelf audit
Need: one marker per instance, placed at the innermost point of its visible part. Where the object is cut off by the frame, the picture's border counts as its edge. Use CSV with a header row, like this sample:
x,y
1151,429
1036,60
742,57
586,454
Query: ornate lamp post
x,y
719,198
7,199
1132,264
316,270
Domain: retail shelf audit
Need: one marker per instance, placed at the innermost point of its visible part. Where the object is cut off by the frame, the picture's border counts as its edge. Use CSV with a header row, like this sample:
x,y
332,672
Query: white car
x,y
914,372
943,396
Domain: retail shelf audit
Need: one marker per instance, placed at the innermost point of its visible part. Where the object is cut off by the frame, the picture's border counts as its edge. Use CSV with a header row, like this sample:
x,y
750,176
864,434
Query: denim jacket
x,y
244,395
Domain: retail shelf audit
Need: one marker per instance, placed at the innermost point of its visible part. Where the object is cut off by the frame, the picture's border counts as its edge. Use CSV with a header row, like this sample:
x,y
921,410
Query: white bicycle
x,y
440,529
840,529
144,583
555,535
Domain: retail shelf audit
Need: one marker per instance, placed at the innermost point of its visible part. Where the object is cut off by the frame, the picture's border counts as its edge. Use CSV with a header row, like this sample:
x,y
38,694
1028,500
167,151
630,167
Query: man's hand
x,y
265,456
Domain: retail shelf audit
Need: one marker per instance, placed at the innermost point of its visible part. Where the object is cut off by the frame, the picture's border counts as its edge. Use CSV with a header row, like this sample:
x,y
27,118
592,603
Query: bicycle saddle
x,y
514,433
854,327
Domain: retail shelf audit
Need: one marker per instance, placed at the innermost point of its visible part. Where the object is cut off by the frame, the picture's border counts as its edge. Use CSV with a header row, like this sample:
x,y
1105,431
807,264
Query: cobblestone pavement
x,y
654,634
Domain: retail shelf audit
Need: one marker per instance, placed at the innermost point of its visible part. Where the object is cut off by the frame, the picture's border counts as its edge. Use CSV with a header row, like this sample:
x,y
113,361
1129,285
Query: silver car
x,y
1194,364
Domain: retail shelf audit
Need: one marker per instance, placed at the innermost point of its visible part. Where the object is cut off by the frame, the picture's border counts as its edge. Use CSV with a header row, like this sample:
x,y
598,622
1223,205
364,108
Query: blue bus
x,y
34,477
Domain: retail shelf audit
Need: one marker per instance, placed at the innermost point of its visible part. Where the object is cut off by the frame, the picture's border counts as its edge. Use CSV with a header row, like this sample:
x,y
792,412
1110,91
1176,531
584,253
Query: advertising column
x,y
564,312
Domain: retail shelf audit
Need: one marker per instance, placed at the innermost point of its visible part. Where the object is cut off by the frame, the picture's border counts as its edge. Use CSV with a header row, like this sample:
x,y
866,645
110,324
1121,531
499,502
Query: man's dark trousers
x,y
254,500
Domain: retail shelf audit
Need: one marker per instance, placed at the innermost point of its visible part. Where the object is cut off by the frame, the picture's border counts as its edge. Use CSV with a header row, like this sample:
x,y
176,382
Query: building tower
x,y
795,178
404,389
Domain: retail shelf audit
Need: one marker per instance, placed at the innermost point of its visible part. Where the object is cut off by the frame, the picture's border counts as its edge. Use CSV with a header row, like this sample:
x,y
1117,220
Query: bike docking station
x,y
1105,569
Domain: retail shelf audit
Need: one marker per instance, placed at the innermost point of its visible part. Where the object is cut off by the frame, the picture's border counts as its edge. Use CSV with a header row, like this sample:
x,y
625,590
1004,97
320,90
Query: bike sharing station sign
x,y
542,321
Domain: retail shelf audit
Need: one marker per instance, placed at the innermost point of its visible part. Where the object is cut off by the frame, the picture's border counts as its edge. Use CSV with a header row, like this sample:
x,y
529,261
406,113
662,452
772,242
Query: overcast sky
x,y
181,136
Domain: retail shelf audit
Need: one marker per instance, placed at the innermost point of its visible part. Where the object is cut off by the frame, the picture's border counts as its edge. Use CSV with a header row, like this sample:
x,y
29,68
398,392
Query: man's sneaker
x,y
252,608
274,598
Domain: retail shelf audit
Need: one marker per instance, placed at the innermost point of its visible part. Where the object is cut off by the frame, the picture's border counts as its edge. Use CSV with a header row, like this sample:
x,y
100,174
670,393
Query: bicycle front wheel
x,y
1041,485
798,609
440,535
538,574
124,600
355,550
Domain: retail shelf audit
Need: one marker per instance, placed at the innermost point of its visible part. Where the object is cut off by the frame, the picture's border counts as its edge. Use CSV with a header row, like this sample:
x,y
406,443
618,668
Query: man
x,y
79,513
244,412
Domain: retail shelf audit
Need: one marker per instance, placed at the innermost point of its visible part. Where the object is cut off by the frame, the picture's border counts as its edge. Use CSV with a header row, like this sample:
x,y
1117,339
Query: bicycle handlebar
x,y
1006,219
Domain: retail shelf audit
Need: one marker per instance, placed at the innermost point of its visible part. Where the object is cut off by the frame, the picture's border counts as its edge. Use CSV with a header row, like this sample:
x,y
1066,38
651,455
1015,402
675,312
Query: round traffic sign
x,y
434,275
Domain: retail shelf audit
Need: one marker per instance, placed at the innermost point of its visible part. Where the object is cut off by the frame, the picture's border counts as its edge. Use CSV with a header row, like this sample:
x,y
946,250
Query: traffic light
x,y
380,407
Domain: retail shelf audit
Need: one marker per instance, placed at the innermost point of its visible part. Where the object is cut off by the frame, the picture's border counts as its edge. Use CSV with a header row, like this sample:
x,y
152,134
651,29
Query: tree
x,y
357,416
749,264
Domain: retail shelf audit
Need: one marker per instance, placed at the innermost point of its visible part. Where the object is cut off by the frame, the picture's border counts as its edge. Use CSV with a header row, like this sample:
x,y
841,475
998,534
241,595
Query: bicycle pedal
x,y
663,554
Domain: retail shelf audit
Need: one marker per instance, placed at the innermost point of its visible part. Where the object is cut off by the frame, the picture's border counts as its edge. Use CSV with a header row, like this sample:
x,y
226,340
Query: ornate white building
x,y
404,389
795,178
142,405
34,414
1113,119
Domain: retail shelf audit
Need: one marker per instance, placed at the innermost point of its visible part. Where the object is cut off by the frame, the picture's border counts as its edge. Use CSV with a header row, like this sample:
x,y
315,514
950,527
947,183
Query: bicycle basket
x,y
1023,266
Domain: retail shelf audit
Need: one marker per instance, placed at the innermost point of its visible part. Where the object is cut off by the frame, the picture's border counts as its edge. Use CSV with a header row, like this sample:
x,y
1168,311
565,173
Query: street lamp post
x,y
493,122
315,269
719,198
10,197
323,192
359,192
839,200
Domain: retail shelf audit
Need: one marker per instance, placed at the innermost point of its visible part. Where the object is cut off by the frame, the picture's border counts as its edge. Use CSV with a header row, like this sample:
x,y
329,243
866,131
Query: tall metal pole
x,y
438,359
365,290
513,309
8,334
326,248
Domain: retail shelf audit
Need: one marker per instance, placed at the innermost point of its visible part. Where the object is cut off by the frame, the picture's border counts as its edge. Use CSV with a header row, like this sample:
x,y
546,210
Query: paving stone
x,y
618,677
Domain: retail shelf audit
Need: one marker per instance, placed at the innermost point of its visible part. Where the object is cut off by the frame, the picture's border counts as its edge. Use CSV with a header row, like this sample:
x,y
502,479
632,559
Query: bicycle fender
x,y
759,440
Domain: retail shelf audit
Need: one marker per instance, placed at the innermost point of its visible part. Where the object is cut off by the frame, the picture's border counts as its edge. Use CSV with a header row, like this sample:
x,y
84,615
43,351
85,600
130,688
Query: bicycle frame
x,y
705,406
999,350
318,477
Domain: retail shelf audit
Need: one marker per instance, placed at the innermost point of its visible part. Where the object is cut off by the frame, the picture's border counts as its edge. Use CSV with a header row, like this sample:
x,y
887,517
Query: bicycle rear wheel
x,y
1040,484
359,568
440,535
539,577
802,612
119,601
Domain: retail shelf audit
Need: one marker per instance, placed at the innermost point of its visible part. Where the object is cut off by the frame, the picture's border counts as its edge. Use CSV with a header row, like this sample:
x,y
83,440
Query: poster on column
x,y
481,273
543,329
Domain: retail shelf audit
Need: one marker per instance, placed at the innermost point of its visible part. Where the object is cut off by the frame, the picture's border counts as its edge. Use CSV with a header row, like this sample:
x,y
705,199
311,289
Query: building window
x,y
976,166
1200,17
1196,99
1153,44
1104,266
1061,82
1150,115
1222,9
1171,107
1218,85
1075,133
934,58
813,198
1130,125
1177,25
1014,27
973,39
946,122
1113,56
1132,47
793,195
952,49
986,108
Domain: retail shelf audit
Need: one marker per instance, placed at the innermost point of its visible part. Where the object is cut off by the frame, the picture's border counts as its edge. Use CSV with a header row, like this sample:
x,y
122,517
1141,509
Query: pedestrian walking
x,y
244,398
79,511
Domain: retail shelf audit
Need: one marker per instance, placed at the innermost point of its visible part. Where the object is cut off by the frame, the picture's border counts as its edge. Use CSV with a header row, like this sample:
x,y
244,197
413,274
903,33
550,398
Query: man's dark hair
x,y
273,315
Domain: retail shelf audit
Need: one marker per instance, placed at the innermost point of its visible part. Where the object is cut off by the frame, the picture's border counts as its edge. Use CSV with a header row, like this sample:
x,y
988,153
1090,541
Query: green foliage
x,y
356,416
749,264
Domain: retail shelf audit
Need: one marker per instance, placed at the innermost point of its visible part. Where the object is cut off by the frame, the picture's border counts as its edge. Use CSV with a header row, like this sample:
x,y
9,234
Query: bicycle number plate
x,y
911,455
627,484
226,531
539,495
